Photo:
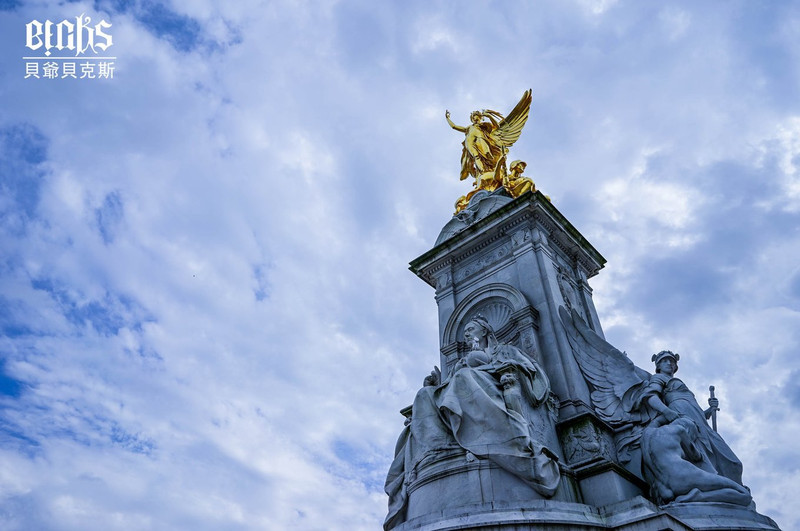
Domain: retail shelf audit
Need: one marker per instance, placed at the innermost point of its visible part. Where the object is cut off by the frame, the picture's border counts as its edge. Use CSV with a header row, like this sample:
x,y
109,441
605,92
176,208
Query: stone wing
x,y
610,372
509,129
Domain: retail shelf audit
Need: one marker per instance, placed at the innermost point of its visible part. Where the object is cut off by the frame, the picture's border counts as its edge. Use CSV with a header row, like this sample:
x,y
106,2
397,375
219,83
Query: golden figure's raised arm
x,y
454,126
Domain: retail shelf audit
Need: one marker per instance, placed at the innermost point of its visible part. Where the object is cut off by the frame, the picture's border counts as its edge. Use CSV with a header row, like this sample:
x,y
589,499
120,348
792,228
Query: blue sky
x,y
207,318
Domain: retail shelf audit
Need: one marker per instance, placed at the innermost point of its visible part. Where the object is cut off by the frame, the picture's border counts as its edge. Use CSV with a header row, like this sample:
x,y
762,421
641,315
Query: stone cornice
x,y
531,209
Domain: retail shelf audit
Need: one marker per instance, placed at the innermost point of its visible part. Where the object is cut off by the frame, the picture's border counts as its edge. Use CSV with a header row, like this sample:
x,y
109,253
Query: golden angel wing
x,y
510,128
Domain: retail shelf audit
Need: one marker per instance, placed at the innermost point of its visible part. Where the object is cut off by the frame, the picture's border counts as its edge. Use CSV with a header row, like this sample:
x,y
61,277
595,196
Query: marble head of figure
x,y
666,355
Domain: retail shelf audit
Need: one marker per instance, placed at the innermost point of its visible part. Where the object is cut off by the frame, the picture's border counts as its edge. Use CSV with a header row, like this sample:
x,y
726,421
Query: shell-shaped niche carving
x,y
497,313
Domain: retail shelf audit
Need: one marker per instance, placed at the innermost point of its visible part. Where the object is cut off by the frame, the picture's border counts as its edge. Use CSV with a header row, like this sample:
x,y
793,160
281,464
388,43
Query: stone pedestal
x,y
516,262
457,481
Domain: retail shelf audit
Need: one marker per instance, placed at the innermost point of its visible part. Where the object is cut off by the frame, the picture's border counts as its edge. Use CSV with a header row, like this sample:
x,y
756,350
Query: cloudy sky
x,y
206,316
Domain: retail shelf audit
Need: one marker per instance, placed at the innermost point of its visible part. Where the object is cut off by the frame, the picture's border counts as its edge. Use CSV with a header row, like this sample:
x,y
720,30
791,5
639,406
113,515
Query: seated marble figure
x,y
477,408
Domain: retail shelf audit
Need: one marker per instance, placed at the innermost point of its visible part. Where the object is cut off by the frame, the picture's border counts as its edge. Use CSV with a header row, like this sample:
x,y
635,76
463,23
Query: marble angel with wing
x,y
662,432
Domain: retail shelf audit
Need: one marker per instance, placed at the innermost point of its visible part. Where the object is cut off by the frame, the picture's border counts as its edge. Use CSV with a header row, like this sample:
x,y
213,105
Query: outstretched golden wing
x,y
509,129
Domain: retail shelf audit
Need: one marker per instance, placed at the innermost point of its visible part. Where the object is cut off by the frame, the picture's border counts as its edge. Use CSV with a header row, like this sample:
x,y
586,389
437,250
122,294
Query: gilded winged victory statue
x,y
487,140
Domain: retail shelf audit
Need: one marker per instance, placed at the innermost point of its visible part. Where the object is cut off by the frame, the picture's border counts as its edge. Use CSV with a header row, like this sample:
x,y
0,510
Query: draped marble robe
x,y
468,411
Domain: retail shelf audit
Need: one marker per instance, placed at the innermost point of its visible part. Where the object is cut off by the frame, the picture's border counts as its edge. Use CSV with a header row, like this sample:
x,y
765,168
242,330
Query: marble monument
x,y
534,420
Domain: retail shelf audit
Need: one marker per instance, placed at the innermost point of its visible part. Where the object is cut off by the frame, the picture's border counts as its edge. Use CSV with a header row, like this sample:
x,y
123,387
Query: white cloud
x,y
597,7
788,136
675,21
432,34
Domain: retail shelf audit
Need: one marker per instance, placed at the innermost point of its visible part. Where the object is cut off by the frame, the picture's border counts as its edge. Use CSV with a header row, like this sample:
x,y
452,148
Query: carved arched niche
x,y
513,319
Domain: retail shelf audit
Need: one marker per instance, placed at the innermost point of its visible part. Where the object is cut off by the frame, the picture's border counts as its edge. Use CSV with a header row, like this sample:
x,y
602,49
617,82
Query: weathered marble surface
x,y
480,407
480,205
668,437
677,467
634,514
519,263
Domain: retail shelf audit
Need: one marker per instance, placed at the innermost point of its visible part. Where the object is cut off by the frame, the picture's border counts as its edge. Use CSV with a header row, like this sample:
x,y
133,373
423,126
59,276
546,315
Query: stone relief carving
x,y
527,341
444,280
568,291
520,237
483,262
480,205
584,442
466,216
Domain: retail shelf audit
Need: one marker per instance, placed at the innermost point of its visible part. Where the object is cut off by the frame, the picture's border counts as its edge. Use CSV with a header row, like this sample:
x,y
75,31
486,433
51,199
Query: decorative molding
x,y
478,299
482,263
537,212
521,237
444,280
500,232
572,251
